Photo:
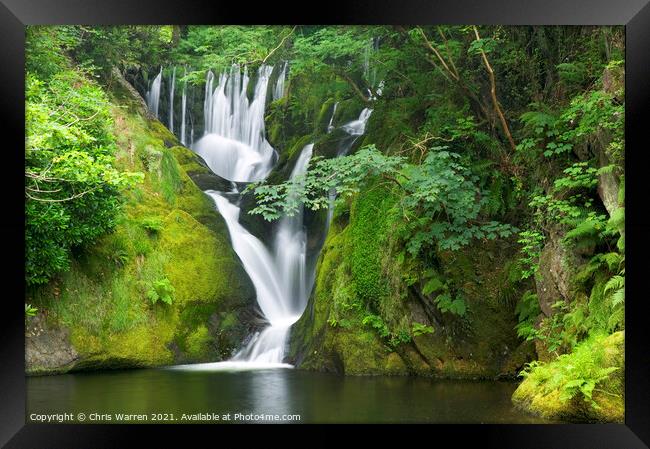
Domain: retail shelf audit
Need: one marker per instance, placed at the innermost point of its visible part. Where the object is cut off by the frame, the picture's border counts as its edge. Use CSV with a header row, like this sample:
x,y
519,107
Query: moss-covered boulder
x,y
164,287
586,385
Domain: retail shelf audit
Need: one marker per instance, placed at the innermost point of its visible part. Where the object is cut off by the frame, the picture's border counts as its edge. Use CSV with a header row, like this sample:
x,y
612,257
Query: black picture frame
x,y
16,14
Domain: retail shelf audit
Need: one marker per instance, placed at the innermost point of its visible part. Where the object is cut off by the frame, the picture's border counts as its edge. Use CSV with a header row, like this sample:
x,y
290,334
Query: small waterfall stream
x,y
153,95
182,137
172,84
278,92
235,147
330,127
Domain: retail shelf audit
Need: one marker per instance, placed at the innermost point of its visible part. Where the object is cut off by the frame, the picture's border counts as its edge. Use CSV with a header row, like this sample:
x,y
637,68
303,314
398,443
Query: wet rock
x,y
47,348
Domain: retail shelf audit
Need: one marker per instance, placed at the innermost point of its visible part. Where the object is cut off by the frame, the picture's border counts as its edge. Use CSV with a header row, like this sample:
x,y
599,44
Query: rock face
x,y
557,266
47,349
170,239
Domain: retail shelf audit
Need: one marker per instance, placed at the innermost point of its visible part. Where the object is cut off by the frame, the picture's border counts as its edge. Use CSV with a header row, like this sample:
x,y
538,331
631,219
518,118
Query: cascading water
x,y
278,92
172,83
330,127
153,95
358,127
355,129
279,276
184,111
282,279
234,145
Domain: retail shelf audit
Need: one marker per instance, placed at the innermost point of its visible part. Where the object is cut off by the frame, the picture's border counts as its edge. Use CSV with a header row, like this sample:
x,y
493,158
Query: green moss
x,y
359,352
368,227
228,321
169,230
140,347
198,342
198,267
395,365
361,274
335,337
560,389
322,120
170,177
159,131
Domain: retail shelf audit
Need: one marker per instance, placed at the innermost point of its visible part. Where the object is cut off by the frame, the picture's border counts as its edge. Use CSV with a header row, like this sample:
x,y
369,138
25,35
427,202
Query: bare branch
x,y
354,86
280,44
437,53
61,200
493,93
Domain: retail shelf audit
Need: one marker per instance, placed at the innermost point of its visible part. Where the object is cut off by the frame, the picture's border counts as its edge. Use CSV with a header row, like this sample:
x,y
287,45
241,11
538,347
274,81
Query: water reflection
x,y
318,398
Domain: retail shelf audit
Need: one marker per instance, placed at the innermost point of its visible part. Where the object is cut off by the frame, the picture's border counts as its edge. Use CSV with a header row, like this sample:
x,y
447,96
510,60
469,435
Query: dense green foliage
x,y
71,185
441,186
587,383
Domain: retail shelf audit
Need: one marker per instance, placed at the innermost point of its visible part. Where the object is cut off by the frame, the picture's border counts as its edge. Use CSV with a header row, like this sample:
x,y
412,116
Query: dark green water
x,y
317,398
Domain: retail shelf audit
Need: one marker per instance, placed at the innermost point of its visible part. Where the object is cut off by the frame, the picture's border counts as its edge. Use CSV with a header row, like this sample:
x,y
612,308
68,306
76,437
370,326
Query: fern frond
x,y
616,319
618,298
615,283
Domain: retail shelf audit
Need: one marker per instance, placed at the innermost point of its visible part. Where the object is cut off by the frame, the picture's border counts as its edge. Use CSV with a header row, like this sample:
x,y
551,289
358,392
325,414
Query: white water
x,y
172,82
183,111
279,275
370,73
234,144
358,127
278,92
153,95
330,127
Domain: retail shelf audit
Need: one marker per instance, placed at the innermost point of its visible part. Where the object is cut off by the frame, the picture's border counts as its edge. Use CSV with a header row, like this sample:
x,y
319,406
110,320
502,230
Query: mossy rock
x,y
542,390
169,233
200,266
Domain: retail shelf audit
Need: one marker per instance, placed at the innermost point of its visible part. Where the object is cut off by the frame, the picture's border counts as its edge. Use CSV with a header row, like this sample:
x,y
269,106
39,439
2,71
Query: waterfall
x,y
235,147
172,82
153,95
370,73
282,279
279,275
358,127
366,60
234,144
183,111
278,92
330,128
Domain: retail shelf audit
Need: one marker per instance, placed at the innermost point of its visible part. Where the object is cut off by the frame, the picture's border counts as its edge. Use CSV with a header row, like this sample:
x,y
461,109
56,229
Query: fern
x,y
616,283
615,293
